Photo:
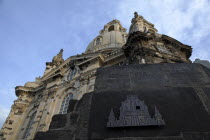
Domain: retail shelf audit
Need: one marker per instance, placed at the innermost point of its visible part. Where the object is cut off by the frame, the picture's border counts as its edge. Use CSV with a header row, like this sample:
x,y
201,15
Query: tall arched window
x,y
65,103
111,28
29,125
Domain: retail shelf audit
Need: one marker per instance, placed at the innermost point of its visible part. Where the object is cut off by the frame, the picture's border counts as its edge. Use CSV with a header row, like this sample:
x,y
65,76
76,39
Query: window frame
x,y
29,125
65,103
111,28
98,41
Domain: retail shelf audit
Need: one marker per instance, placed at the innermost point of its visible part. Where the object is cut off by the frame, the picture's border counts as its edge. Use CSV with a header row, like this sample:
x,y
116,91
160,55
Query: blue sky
x,y
33,31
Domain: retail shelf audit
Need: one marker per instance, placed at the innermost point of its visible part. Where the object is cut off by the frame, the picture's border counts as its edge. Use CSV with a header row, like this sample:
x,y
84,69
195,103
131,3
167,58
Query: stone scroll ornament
x,y
134,112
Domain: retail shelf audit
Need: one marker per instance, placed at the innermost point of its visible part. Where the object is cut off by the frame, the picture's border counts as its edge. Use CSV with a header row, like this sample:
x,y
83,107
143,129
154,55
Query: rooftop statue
x,y
138,23
58,58
136,15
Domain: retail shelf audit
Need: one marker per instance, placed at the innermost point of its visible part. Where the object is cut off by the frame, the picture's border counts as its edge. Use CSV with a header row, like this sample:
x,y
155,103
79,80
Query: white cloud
x,y
187,22
4,112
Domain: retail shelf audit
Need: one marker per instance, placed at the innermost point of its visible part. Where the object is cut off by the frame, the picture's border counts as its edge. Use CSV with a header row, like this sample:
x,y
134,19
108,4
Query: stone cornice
x,y
114,55
54,71
22,89
66,63
99,57
137,36
50,78
175,42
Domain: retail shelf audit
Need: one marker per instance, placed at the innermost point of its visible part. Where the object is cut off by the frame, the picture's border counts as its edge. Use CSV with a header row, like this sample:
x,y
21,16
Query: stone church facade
x,y
68,79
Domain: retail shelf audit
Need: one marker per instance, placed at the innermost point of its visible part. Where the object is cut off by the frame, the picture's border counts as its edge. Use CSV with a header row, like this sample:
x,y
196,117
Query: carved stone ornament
x,y
58,58
134,112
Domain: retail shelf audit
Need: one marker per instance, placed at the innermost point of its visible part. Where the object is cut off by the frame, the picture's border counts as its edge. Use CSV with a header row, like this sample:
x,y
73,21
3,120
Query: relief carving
x,y
134,112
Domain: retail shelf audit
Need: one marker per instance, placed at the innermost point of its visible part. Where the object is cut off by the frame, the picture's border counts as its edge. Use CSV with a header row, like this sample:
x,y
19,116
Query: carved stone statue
x,y
136,15
136,23
58,58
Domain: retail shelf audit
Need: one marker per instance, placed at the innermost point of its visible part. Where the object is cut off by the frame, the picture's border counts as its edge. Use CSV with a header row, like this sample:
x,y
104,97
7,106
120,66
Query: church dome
x,y
113,36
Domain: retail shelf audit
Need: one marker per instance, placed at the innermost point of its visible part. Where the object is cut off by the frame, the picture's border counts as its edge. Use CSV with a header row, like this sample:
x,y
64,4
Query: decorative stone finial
x,y
136,15
58,58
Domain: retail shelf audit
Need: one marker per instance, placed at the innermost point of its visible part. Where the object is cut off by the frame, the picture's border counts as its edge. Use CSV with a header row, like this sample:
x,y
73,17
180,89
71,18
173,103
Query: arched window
x,y
98,41
65,103
29,125
111,28
72,73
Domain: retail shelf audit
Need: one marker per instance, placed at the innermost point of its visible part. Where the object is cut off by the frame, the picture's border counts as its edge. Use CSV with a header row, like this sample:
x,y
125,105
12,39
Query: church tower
x,y
145,45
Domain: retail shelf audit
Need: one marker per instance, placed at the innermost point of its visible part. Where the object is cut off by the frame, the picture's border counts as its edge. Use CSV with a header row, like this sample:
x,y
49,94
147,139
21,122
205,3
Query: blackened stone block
x,y
58,121
181,109
152,75
196,135
54,135
207,92
179,91
72,103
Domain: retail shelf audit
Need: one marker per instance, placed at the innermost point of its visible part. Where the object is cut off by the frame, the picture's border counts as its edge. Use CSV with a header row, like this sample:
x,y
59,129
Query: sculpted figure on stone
x,y
136,23
136,15
58,58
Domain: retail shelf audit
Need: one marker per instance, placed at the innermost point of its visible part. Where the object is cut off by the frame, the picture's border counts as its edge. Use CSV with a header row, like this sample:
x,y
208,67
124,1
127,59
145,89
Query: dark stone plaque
x,y
134,112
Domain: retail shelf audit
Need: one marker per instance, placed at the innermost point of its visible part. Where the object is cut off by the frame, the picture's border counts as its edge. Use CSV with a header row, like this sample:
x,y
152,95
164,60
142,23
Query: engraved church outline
x,y
134,112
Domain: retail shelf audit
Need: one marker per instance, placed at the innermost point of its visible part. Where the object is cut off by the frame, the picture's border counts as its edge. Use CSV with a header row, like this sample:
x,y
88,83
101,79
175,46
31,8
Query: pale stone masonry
x,y
68,79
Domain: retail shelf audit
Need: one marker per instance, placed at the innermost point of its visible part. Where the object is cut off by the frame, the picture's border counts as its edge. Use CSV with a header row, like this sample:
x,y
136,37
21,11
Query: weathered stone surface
x,y
152,76
179,91
58,121
54,135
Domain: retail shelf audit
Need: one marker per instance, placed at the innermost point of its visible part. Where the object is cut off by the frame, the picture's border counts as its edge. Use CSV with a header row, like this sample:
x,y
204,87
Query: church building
x,y
73,78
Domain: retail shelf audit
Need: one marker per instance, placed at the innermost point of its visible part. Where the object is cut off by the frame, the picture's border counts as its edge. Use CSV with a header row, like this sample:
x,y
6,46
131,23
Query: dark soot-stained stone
x,y
179,91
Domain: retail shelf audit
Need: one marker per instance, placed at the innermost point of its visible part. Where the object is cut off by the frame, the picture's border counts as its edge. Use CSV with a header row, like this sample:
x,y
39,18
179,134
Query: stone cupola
x,y
112,36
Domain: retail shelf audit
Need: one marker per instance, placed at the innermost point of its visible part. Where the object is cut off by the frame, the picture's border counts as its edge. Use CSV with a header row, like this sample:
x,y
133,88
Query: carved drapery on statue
x,y
138,23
